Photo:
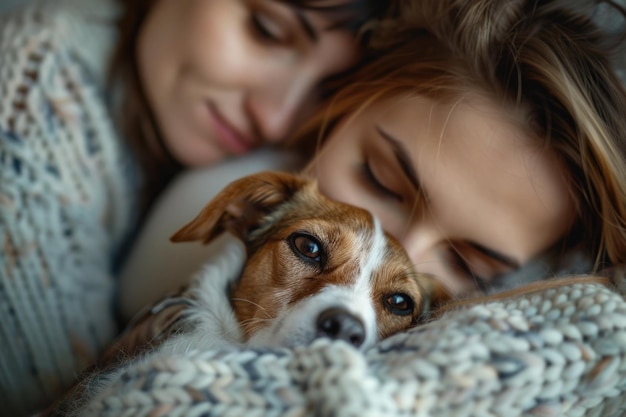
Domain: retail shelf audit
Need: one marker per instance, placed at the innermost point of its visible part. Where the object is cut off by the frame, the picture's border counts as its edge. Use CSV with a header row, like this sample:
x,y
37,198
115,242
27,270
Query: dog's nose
x,y
339,324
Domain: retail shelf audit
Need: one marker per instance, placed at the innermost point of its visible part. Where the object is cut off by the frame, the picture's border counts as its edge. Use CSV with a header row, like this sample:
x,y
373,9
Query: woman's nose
x,y
276,107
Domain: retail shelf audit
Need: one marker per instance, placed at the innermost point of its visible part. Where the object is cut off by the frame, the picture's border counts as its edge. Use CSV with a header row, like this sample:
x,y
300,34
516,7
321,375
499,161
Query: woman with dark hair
x,y
102,103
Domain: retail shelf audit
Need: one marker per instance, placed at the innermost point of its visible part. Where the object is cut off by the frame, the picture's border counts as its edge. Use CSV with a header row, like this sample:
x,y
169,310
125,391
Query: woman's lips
x,y
227,135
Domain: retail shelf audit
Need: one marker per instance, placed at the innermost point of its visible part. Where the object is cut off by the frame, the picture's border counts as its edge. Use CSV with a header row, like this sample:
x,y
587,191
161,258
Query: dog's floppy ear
x,y
240,205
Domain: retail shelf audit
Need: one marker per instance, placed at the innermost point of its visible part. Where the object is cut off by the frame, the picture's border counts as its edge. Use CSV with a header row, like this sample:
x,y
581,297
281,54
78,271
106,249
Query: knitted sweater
x,y
65,197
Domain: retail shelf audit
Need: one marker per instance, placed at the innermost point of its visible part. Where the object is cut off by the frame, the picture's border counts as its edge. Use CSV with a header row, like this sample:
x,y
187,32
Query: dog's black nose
x,y
339,324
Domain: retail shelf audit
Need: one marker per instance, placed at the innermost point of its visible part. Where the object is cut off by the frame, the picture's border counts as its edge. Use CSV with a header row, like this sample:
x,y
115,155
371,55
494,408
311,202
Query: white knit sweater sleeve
x,y
64,199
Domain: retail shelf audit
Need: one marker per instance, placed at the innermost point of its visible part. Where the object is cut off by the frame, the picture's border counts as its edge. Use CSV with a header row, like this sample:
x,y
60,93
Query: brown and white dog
x,y
315,268
302,267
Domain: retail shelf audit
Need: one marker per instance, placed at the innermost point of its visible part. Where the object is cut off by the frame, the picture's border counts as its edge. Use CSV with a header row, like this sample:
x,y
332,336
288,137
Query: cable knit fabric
x,y
561,352
65,197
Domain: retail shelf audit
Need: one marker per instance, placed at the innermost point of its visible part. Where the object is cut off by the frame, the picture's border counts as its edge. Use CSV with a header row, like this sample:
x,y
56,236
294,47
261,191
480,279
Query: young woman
x,y
482,146
94,115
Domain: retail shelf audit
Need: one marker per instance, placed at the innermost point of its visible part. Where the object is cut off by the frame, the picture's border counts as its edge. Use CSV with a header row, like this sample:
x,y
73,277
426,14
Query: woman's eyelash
x,y
370,178
461,265
263,27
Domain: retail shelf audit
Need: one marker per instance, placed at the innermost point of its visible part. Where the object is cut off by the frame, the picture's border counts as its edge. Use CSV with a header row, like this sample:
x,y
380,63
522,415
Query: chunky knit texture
x,y
561,352
65,197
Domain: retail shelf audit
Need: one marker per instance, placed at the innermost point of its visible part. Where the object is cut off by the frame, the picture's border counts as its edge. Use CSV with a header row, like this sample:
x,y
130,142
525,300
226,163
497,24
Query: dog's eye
x,y
307,247
399,304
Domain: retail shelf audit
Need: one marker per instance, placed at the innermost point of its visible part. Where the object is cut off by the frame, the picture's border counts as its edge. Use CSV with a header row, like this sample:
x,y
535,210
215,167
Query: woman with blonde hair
x,y
550,68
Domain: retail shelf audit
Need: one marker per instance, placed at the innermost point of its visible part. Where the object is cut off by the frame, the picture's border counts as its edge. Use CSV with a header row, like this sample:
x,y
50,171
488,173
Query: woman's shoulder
x,y
52,74
39,30
53,62
56,129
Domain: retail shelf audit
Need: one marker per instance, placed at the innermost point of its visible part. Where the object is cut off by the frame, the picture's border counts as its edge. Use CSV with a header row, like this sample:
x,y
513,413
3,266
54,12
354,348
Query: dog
x,y
314,267
300,267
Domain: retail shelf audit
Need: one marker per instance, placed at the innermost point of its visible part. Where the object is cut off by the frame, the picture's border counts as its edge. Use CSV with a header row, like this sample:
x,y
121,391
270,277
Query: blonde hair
x,y
546,57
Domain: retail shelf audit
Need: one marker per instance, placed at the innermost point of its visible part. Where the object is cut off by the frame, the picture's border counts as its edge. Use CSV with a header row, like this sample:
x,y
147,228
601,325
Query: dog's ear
x,y
240,206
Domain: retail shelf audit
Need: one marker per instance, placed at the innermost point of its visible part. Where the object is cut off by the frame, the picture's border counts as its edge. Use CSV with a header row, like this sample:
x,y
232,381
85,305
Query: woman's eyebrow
x,y
500,257
402,156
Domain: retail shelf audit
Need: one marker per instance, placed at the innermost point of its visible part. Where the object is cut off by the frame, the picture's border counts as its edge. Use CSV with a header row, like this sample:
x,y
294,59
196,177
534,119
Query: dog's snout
x,y
338,324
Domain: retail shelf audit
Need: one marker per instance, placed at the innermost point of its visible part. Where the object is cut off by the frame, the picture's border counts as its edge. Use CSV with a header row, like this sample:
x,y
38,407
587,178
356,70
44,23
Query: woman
x,y
221,78
492,148
191,83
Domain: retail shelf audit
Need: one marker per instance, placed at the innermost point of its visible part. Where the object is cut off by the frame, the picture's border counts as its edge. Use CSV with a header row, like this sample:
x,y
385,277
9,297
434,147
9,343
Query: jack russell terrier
x,y
303,267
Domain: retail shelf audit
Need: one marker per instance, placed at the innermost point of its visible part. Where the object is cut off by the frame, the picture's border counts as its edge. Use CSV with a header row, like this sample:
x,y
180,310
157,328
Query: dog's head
x,y
315,268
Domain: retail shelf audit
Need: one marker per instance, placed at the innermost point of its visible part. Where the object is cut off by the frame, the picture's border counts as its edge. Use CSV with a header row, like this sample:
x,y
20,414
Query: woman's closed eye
x,y
462,269
472,263
267,29
370,179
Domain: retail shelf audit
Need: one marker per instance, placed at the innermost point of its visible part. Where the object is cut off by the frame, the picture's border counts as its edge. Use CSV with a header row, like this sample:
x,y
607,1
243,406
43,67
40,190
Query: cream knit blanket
x,y
556,353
